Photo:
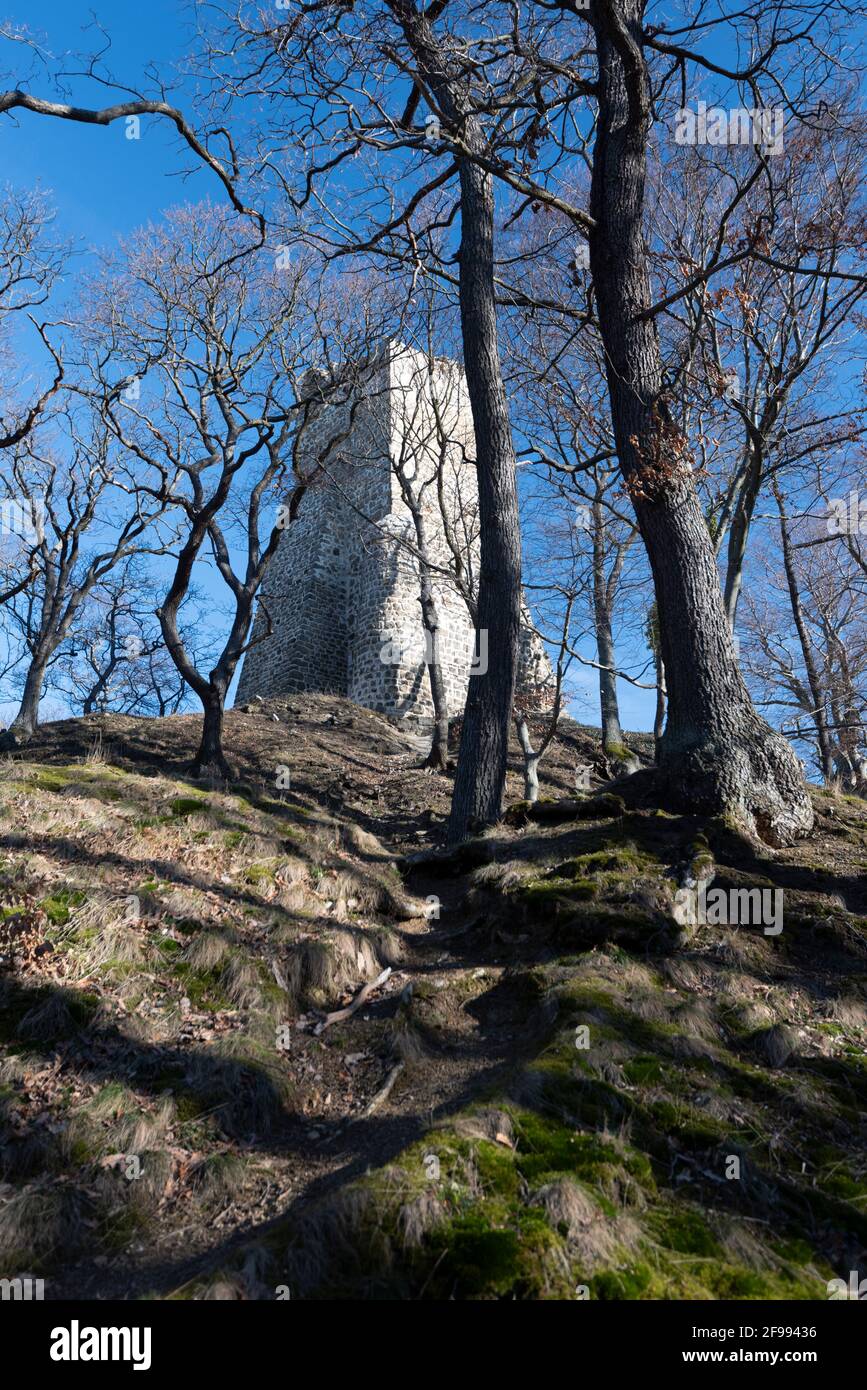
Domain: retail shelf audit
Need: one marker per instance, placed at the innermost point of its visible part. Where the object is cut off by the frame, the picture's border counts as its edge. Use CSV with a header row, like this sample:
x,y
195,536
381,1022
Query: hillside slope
x,y
556,1087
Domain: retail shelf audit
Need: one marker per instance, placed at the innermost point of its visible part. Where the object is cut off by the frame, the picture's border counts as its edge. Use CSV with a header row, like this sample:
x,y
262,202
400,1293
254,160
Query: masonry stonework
x,y
394,454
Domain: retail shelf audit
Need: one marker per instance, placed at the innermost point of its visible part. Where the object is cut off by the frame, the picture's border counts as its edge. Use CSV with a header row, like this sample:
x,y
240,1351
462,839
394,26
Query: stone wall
x,y
342,592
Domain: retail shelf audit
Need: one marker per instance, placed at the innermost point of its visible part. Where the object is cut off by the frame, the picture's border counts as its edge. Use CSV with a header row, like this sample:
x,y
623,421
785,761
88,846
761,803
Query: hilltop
x,y
545,1092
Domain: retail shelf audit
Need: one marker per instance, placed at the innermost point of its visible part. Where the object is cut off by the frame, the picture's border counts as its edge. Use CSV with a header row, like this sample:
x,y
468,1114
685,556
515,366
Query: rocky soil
x,y
268,1040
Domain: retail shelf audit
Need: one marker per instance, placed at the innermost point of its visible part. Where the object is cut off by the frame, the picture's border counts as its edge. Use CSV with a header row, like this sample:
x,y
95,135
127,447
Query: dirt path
x,y
479,1033
263,906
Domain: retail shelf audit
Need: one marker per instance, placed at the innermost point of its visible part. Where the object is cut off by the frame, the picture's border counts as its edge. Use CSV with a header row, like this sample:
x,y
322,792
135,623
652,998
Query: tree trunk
x,y
659,717
210,760
739,533
531,760
480,777
438,757
717,754
481,771
26,721
99,690
612,734
826,751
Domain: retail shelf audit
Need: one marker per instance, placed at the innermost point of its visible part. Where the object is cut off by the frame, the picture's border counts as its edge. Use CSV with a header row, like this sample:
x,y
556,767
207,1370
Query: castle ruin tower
x,y
388,457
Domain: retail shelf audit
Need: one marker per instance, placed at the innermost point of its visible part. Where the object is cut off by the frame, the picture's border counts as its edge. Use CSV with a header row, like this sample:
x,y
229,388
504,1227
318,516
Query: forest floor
x,y
557,1090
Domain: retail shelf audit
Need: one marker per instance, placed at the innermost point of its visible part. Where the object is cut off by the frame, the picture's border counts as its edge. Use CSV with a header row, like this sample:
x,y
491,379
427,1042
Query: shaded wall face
x,y
310,587
305,596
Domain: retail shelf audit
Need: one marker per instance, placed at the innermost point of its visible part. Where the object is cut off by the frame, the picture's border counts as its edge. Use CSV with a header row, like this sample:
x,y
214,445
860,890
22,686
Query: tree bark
x,y
718,756
531,760
26,721
438,757
210,760
659,716
612,733
481,771
826,751
480,777
739,534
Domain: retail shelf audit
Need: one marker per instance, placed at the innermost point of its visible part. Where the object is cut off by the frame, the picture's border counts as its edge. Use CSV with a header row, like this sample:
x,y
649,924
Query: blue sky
x,y
104,185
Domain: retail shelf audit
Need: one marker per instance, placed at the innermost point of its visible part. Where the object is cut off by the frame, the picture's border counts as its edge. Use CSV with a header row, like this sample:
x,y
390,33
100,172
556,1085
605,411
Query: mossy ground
x,y
692,1168
589,1103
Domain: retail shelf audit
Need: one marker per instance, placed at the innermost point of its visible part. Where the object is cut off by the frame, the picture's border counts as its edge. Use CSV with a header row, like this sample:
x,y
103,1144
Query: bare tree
x,y
766,381
31,260
316,51
217,335
34,65
522,95
498,95
560,381
115,658
805,647
652,635
87,510
542,707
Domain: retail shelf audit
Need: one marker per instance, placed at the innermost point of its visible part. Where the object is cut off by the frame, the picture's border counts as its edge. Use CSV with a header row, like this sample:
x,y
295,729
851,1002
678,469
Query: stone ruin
x,y
386,456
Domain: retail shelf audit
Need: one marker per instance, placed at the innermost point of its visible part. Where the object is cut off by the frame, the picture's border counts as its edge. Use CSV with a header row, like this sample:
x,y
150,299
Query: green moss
x,y
81,1151
840,1183
614,1285
189,1107
643,1071
725,1282
615,750
59,905
547,1148
203,988
543,891
122,1226
682,1229
188,805
260,873
54,779
796,1251
478,1259
496,1169
493,1251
